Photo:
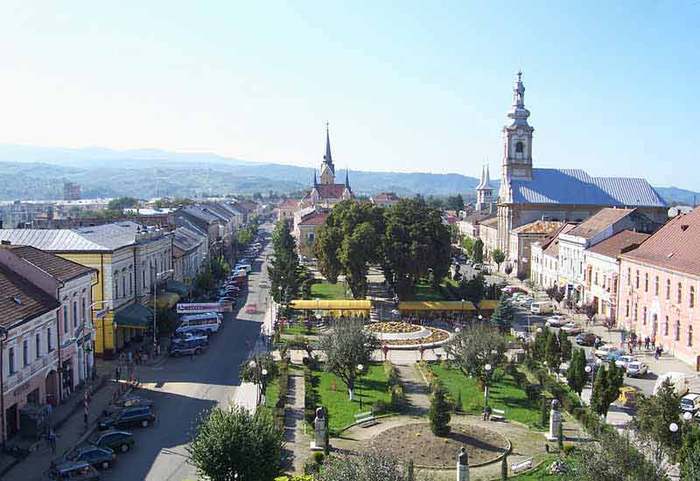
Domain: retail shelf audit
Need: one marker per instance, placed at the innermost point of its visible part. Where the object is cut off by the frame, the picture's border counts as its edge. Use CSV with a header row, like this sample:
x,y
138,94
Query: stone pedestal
x,y
554,422
462,472
319,442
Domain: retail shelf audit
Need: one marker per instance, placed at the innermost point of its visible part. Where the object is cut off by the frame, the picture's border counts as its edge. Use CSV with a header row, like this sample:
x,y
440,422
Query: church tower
x,y
484,192
327,167
517,142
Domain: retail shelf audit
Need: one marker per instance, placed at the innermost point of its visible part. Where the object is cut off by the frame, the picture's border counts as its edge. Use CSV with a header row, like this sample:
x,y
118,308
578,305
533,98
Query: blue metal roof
x,y
575,186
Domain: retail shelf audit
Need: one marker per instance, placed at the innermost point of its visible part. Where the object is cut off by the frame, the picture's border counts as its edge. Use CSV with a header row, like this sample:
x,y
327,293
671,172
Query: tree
x,y
606,388
416,244
654,415
503,314
439,413
576,374
472,289
348,242
475,346
478,251
552,354
468,246
690,466
346,346
498,256
589,310
284,270
565,346
454,202
234,444
121,203
366,466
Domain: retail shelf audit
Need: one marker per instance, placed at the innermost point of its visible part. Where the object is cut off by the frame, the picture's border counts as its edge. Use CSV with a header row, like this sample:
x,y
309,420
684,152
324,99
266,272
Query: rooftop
x,y
52,240
315,218
57,267
330,191
551,245
614,246
20,300
599,221
539,227
675,246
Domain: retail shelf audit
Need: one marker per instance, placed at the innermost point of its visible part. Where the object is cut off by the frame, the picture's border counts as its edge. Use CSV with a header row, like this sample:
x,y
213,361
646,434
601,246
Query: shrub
x,y
397,397
439,413
380,407
533,391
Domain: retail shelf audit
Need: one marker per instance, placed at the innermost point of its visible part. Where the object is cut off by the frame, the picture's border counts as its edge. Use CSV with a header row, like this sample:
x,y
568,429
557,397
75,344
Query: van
x,y
243,267
210,322
541,308
678,380
690,402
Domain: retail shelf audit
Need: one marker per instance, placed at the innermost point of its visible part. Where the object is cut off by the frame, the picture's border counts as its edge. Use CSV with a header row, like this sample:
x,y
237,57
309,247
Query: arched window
x,y
668,289
519,147
690,336
646,282
656,285
678,330
680,293
691,297
666,326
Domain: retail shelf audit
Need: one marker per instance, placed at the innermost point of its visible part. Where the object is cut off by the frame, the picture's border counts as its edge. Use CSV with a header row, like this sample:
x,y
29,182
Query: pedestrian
x,y
51,438
657,353
117,374
639,344
85,419
646,343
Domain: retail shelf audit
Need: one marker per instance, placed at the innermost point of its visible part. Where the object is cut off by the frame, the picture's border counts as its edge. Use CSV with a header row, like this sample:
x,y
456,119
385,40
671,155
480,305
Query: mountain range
x,y
28,172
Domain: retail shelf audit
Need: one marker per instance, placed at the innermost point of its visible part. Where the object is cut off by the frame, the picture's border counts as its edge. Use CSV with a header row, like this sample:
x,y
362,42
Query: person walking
x,y
51,438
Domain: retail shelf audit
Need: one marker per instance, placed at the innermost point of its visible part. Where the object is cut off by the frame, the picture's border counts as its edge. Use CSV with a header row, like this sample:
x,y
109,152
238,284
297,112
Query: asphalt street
x,y
184,388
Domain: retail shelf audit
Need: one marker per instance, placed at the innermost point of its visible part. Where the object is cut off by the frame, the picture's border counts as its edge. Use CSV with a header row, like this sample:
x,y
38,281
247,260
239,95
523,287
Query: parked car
x,y
513,290
195,336
556,321
101,458
624,360
628,396
571,328
142,416
603,351
636,369
126,402
186,349
73,471
690,402
586,339
541,308
120,441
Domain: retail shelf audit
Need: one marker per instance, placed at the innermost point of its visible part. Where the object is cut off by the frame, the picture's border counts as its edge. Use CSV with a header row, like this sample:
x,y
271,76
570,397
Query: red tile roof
x,y
57,267
614,246
676,246
385,197
330,191
551,245
539,227
20,300
599,221
315,218
289,204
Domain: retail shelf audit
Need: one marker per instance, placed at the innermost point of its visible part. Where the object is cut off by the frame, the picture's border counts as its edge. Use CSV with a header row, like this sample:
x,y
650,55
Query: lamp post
x,y
3,338
487,369
360,368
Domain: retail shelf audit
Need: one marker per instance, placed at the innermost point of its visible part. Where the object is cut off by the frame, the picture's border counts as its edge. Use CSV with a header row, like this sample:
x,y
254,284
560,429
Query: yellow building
x,y
130,260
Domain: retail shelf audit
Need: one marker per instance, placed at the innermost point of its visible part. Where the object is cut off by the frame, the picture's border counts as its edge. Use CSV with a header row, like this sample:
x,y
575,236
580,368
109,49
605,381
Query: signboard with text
x,y
194,308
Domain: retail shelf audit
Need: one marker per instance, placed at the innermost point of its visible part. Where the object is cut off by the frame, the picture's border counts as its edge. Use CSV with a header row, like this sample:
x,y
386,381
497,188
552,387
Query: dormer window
x,y
519,148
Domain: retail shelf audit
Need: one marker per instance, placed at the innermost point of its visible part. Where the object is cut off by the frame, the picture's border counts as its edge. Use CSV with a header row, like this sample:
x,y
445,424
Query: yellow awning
x,y
436,306
488,305
331,305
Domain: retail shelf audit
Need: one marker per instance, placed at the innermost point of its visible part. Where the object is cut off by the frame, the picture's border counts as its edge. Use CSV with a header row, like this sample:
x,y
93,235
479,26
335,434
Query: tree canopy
x,y
121,203
475,346
284,270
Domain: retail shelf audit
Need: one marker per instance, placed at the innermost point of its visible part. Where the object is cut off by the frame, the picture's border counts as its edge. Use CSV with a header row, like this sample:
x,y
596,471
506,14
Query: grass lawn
x,y
425,292
272,393
326,290
373,386
504,394
298,329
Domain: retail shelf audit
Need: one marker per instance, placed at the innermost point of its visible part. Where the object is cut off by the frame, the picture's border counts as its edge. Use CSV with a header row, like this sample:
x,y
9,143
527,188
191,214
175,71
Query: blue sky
x,y
613,87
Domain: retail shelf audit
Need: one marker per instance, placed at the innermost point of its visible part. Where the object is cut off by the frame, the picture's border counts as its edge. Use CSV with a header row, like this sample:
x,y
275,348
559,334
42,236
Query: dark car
x,y
101,458
125,402
73,471
195,336
120,441
128,417
586,339
186,348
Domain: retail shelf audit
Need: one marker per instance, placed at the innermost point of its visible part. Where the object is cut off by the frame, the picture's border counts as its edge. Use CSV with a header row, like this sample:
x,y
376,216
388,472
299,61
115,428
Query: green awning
x,y
167,300
134,315
177,287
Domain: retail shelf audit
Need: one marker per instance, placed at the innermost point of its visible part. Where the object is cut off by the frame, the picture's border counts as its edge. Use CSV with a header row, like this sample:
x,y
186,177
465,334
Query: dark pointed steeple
x,y
347,181
328,158
315,181
327,167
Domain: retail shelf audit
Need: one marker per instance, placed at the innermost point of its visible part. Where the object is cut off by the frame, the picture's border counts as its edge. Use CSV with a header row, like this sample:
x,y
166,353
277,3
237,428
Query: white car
x,y
555,321
636,369
624,361
603,351
571,328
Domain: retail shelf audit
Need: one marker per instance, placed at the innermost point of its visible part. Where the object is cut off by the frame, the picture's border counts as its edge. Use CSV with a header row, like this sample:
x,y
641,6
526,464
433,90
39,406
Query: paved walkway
x,y
297,443
417,395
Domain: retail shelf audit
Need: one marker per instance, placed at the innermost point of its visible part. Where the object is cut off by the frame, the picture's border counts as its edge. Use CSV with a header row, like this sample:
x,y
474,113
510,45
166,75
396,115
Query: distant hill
x,y
39,172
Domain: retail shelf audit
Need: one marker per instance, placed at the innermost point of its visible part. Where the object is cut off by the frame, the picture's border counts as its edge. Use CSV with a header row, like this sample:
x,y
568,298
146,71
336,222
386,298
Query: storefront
x,y
131,323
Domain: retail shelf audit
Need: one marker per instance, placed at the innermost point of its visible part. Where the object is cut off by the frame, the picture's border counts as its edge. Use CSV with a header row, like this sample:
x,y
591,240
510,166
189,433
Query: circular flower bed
x,y
393,327
435,336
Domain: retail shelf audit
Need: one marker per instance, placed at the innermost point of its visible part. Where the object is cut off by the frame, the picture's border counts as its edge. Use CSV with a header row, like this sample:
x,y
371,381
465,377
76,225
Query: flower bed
x,y
393,327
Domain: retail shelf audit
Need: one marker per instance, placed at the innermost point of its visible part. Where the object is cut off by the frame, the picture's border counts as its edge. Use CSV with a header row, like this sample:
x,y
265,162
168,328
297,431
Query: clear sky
x,y
613,87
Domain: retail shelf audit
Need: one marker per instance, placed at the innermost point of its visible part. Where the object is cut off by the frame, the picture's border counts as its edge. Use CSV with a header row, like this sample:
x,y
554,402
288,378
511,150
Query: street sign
x,y
200,307
101,313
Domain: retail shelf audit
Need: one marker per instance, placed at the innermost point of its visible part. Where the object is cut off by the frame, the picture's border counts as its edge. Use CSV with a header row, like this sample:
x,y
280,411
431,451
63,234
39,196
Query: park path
x,y
417,395
296,442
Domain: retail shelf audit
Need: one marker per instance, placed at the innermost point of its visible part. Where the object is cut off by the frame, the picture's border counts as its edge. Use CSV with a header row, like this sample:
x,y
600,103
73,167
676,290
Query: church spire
x,y
328,158
315,181
327,167
347,180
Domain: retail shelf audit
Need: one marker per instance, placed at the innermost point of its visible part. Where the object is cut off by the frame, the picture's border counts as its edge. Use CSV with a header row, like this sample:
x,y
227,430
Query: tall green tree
x,y
478,251
346,346
473,289
475,346
439,413
606,388
576,374
565,346
416,245
652,420
498,256
504,313
234,444
552,353
454,202
348,242
284,270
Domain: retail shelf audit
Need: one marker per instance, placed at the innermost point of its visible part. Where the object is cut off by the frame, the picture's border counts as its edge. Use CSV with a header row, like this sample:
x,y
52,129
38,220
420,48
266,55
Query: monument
x,y
320,427
462,465
554,422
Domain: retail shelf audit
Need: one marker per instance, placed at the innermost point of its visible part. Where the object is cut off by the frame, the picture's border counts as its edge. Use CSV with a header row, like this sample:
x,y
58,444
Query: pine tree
x,y
439,413
576,374
565,346
552,352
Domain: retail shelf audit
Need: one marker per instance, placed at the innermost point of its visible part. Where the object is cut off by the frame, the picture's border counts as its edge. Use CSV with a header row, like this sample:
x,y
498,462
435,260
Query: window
x,y
644,315
646,282
668,289
49,340
679,294
636,280
116,287
656,285
83,310
666,326
678,330
627,308
75,314
143,279
636,311
691,296
519,148
65,318
37,346
690,336
124,284
11,360
629,276
595,278
25,353
131,281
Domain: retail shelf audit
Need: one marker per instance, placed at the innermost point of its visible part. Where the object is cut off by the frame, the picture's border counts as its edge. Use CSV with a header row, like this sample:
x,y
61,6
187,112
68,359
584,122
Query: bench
x,y
365,419
521,466
498,415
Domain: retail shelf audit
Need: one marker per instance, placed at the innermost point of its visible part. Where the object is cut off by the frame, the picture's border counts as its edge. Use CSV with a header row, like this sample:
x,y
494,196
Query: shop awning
x,y
177,287
134,315
331,305
436,306
167,300
488,305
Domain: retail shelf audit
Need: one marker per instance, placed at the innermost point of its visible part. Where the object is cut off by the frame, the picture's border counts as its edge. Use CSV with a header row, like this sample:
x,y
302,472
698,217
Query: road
x,y
183,388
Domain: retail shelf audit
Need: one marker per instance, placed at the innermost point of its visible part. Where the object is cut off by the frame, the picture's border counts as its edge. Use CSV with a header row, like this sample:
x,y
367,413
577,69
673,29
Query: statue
x,y
462,465
555,423
320,429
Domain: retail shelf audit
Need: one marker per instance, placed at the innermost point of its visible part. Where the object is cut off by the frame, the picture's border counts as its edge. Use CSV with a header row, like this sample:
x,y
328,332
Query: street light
x,y
687,416
360,368
673,427
487,368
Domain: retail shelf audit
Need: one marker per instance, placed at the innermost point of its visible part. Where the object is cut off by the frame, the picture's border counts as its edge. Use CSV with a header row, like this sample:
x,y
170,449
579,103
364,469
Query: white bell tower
x,y
517,140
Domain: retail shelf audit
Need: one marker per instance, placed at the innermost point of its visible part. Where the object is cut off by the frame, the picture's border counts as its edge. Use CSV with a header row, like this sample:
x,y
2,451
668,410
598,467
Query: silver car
x,y
637,369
